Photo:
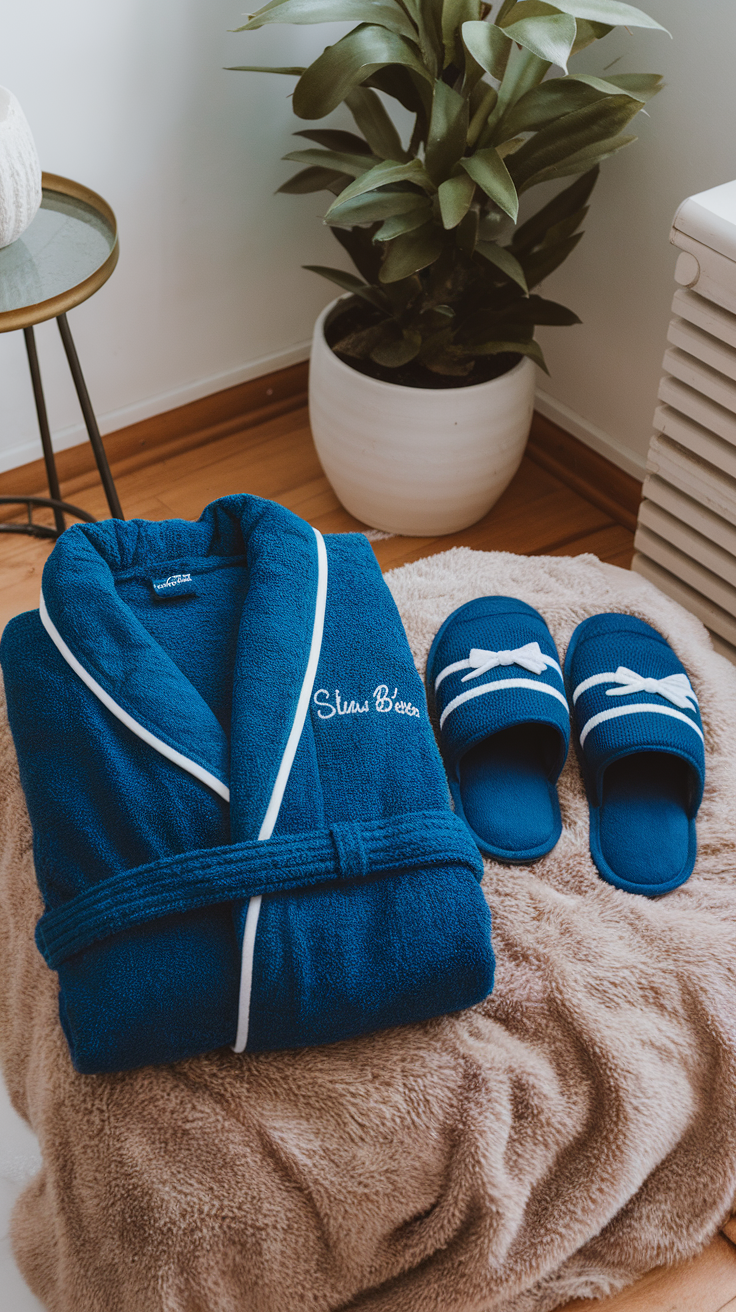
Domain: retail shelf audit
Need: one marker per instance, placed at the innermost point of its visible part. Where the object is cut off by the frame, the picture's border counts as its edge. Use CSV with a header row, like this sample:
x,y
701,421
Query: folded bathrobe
x,y
242,833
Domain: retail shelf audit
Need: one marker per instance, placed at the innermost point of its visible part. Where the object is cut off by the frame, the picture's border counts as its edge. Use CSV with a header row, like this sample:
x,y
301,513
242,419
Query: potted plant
x,y
422,376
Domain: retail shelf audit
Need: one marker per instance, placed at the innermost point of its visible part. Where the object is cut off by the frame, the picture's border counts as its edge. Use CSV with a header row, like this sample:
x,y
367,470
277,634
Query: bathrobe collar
x,y
123,665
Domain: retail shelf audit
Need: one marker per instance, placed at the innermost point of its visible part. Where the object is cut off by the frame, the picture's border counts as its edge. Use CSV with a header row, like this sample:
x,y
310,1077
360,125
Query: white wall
x,y
132,100
620,279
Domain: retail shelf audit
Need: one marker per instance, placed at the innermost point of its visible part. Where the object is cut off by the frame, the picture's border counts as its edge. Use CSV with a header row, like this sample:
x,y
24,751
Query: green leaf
x,y
482,101
466,233
526,9
641,85
524,71
498,325
384,14
454,14
542,311
397,347
508,147
532,349
570,135
473,85
566,227
602,85
358,242
608,11
553,99
489,46
455,198
411,91
413,251
261,68
429,22
569,201
354,165
588,33
449,364
400,223
448,129
441,355
359,344
370,116
374,206
335,139
548,35
390,170
504,10
488,169
401,294
345,65
503,260
348,282
580,161
314,179
543,262
517,319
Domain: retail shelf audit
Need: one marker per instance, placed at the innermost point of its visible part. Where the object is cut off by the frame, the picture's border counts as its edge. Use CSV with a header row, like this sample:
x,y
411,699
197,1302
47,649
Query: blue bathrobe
x,y
241,827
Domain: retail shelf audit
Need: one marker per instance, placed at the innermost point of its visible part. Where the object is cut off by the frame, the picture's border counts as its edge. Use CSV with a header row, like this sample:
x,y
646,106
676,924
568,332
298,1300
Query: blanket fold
x,y
242,833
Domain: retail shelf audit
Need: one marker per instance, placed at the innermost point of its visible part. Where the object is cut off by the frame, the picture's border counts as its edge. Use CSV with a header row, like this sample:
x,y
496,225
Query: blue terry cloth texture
x,y
639,739
495,677
240,818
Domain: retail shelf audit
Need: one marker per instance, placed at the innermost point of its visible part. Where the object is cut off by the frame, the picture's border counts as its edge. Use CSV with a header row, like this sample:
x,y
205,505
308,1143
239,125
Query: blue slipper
x,y
494,676
639,739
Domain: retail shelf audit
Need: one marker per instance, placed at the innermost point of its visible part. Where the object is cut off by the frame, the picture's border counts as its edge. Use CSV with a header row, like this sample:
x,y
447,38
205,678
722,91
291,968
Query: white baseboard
x,y
591,435
110,421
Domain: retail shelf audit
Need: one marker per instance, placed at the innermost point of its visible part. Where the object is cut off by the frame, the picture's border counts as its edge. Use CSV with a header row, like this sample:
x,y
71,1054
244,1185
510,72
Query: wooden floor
x,y
538,515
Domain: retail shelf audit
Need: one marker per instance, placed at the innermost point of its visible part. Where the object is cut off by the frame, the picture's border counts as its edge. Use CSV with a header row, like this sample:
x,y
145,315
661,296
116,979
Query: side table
x,y
67,253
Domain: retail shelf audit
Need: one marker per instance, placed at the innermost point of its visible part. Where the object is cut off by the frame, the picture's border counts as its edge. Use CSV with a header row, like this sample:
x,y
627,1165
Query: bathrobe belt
x,y
348,850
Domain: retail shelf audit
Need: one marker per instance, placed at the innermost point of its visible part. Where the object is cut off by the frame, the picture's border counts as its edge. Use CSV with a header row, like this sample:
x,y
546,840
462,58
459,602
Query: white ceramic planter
x,y
412,460
20,170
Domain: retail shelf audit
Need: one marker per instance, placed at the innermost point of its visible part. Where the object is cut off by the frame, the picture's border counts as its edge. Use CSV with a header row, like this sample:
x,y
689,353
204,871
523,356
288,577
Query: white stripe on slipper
x,y
494,687
639,708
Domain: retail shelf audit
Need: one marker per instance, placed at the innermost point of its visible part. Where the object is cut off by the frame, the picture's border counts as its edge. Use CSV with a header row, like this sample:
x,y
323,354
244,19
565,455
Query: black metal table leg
x,y
89,419
34,530
54,501
43,424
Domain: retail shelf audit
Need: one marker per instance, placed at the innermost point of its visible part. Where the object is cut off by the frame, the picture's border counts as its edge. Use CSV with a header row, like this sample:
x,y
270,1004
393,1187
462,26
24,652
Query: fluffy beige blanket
x,y
573,1131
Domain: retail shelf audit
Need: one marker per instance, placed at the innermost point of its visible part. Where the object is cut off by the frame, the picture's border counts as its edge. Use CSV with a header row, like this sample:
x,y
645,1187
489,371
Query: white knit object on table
x,y
20,170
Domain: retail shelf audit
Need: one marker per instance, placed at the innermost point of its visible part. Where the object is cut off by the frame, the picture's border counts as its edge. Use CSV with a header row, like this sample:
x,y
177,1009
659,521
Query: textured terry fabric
x,y
569,1133
610,641
357,940
480,716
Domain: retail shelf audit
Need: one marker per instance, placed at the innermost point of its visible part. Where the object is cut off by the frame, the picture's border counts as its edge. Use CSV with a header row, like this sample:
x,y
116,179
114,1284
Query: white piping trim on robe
x,y
206,777
272,810
199,772
496,686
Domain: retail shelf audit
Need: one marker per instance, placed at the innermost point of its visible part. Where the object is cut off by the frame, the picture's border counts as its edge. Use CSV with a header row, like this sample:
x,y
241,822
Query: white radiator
x,y
686,535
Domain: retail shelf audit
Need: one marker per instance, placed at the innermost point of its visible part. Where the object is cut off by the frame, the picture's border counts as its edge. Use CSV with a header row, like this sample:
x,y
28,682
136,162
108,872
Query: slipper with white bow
x,y
494,676
639,739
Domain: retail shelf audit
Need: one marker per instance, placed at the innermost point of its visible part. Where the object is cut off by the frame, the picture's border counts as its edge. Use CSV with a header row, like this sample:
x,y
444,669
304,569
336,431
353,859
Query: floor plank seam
x,y
568,541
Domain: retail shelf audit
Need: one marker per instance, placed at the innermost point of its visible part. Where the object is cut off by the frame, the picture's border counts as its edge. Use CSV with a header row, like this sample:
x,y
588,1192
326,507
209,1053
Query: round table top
x,y
67,253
